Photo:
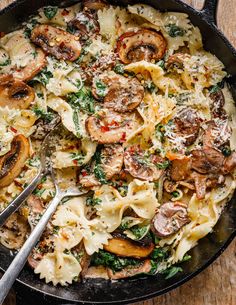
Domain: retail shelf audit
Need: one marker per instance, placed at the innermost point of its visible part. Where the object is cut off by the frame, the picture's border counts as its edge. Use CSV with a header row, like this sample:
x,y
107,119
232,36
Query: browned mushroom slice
x,y
84,24
111,127
230,163
217,105
207,160
111,164
126,247
12,163
187,125
170,218
142,166
94,4
57,42
144,267
35,204
118,92
176,60
180,168
216,134
144,44
15,94
200,182
32,68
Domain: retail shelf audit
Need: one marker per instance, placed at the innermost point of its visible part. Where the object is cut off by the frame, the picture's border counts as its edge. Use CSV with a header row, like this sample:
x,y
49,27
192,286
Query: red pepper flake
x,y
123,137
124,45
84,173
104,128
40,186
114,123
13,129
65,12
75,162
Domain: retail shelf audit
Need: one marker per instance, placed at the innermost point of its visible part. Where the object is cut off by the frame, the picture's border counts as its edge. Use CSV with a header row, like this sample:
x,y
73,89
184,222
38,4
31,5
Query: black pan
x,y
209,248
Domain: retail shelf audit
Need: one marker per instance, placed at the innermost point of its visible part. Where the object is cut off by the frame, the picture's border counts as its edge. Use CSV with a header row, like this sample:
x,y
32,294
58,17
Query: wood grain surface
x,y
217,284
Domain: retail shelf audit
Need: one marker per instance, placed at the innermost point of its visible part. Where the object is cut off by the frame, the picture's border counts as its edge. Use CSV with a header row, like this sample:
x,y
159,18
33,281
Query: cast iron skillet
x,y
209,248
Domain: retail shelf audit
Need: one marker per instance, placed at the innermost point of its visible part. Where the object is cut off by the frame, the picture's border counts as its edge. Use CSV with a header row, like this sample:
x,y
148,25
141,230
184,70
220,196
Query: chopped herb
x,y
93,201
82,100
46,116
5,63
112,261
175,194
214,89
150,86
154,266
226,151
50,11
44,179
160,132
29,27
163,165
119,69
77,157
186,258
123,190
139,232
171,271
38,192
43,77
34,162
55,229
174,30
160,254
101,88
161,63
98,171
39,94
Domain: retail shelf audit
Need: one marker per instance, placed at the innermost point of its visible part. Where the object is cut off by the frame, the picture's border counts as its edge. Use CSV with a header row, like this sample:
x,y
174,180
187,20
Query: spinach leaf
x,y
29,27
226,151
160,254
76,121
139,232
5,63
112,261
46,116
214,89
78,157
163,165
91,201
43,77
171,271
82,100
98,171
50,11
119,69
174,30
101,88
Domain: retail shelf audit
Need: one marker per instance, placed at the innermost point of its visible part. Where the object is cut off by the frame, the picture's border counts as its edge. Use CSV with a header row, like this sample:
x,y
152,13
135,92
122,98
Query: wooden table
x,y
217,284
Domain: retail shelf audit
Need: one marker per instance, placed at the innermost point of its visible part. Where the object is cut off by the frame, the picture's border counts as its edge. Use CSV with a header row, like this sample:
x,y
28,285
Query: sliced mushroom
x,y
144,44
170,218
111,164
125,247
111,127
200,182
229,163
141,166
95,4
12,163
15,94
217,105
176,60
207,160
84,24
187,125
32,68
14,231
180,168
57,42
216,134
118,92
144,267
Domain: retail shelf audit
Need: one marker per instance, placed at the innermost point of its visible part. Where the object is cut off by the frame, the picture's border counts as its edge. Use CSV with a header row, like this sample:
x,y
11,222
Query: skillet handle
x,y
209,10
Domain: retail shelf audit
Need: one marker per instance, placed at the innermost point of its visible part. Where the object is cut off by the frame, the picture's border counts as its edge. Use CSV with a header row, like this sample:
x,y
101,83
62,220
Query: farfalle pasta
x,y
148,133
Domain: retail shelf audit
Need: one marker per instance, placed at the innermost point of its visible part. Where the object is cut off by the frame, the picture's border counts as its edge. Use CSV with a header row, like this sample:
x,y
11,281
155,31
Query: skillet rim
x,y
207,18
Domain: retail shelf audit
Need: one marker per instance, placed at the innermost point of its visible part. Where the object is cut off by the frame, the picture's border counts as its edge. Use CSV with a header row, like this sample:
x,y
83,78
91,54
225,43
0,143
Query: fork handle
x,y
17,202
20,259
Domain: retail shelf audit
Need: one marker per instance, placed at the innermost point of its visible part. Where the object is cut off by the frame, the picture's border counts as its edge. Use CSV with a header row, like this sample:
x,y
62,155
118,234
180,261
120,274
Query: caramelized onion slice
x,y
141,166
57,42
15,94
125,247
144,44
119,93
170,218
12,163
144,267
111,127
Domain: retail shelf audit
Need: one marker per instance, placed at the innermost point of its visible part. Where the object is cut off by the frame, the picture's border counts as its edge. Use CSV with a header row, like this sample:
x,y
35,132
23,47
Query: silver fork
x,y
20,259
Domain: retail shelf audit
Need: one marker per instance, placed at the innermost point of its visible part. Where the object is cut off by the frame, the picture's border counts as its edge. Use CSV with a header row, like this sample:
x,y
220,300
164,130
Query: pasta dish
x,y
149,131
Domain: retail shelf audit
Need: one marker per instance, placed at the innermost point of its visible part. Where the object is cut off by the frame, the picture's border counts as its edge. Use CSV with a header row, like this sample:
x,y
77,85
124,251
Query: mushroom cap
x,y
170,218
57,42
12,163
121,94
144,44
